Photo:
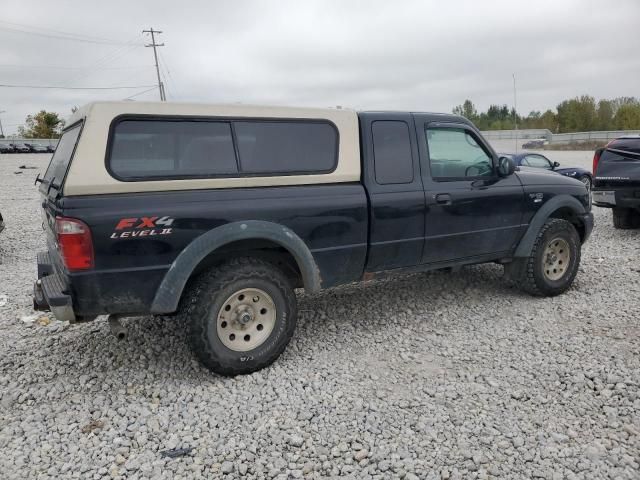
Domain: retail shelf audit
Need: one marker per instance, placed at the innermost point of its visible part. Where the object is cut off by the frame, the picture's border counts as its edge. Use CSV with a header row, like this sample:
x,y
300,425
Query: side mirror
x,y
506,166
556,164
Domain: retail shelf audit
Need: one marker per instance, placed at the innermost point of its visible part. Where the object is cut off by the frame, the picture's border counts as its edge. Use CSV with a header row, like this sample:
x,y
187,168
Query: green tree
x,y
549,120
467,110
627,117
605,114
537,119
42,125
621,101
577,114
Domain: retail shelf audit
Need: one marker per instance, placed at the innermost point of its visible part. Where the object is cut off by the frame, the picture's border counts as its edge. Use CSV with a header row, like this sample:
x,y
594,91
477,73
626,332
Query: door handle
x,y
443,199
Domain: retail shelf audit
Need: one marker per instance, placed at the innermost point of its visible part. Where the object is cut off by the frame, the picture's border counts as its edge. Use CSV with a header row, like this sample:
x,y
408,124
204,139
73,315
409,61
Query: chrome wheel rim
x,y
587,182
556,258
246,319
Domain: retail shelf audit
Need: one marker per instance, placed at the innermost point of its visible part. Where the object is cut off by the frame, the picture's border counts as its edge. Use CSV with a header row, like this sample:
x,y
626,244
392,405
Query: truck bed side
x,y
136,237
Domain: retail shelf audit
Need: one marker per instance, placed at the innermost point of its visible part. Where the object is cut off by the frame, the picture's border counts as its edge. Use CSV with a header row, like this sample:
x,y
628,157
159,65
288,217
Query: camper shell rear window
x,y
59,164
163,148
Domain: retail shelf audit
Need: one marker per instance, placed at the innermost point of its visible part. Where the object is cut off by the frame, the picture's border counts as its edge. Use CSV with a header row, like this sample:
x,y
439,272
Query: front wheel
x,y
553,262
586,180
241,316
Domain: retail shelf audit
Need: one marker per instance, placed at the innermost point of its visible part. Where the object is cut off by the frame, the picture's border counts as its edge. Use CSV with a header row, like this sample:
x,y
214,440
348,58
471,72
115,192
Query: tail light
x,y
76,245
596,159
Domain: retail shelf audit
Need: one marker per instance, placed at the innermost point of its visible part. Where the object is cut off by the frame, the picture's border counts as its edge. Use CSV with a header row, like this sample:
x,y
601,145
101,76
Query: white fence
x,y
557,138
513,134
588,136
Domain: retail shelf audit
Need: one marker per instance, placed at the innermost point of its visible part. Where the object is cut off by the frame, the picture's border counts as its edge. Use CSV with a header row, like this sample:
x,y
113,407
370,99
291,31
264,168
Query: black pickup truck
x,y
218,213
616,182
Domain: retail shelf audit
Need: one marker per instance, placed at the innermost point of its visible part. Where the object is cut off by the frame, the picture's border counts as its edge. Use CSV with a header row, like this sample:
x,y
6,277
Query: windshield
x,y
60,160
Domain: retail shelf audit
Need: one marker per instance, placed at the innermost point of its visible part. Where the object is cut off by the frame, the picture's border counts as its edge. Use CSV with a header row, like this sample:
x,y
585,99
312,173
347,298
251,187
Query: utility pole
x,y
155,56
1,130
515,110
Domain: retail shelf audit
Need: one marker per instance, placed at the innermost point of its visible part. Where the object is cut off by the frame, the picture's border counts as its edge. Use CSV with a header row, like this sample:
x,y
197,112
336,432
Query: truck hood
x,y
538,176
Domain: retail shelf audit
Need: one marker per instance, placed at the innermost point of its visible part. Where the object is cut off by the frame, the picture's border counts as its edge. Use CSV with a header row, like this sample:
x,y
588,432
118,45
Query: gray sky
x,y
417,55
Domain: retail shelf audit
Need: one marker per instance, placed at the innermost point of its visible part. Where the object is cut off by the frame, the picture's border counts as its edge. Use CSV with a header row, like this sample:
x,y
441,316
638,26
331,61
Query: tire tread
x,y
625,218
522,271
193,310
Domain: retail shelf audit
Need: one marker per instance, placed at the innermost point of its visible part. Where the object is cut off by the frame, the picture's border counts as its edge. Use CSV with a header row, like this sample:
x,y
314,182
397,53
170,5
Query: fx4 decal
x,y
142,227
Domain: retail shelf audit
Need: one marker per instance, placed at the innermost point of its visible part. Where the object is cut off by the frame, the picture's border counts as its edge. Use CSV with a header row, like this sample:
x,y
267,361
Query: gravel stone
x,y
227,467
361,454
296,440
440,375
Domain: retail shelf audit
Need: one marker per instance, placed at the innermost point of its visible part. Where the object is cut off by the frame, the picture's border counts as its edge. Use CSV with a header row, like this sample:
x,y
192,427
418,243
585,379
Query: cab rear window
x,y
60,161
147,149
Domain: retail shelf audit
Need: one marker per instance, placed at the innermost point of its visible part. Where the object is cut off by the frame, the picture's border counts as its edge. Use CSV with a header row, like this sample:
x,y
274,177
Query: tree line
x,y
580,114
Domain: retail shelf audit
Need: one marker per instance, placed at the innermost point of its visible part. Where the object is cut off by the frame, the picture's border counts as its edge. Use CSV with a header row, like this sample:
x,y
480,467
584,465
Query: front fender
x,y
559,201
170,290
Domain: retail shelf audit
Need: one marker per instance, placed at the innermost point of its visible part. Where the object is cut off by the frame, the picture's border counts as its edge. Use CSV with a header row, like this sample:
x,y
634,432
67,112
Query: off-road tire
x,y
528,273
206,296
625,218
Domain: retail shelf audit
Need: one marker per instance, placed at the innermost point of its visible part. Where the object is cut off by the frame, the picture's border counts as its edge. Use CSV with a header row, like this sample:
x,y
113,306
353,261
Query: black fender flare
x,y
559,201
170,290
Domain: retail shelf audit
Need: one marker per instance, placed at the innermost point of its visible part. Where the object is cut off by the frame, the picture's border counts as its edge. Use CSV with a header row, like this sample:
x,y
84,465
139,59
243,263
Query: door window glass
x,y
392,152
454,154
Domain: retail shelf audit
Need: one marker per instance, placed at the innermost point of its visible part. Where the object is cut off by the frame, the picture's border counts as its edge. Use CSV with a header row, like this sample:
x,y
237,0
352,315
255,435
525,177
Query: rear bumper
x,y
82,296
50,291
628,197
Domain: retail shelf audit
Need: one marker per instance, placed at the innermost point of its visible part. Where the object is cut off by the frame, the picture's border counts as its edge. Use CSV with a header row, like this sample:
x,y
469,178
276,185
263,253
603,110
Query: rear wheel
x,y
241,315
553,262
625,218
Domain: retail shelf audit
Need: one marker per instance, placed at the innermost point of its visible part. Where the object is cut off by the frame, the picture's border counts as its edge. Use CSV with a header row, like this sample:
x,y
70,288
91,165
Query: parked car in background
x,y
20,148
539,143
6,148
536,160
35,148
616,172
51,148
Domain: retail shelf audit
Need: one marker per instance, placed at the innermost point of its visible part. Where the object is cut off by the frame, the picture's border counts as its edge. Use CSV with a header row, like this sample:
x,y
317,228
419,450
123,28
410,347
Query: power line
x,y
165,84
153,44
79,35
163,63
64,67
50,33
168,89
140,93
106,60
72,88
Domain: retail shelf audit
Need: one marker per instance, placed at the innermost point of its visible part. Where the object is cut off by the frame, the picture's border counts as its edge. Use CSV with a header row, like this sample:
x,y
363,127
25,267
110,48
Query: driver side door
x,y
471,211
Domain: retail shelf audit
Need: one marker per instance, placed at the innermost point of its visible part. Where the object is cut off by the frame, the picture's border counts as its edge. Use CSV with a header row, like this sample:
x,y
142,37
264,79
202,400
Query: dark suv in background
x,y
616,180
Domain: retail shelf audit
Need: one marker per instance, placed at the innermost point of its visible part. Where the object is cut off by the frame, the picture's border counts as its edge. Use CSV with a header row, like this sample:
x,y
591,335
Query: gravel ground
x,y
430,376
